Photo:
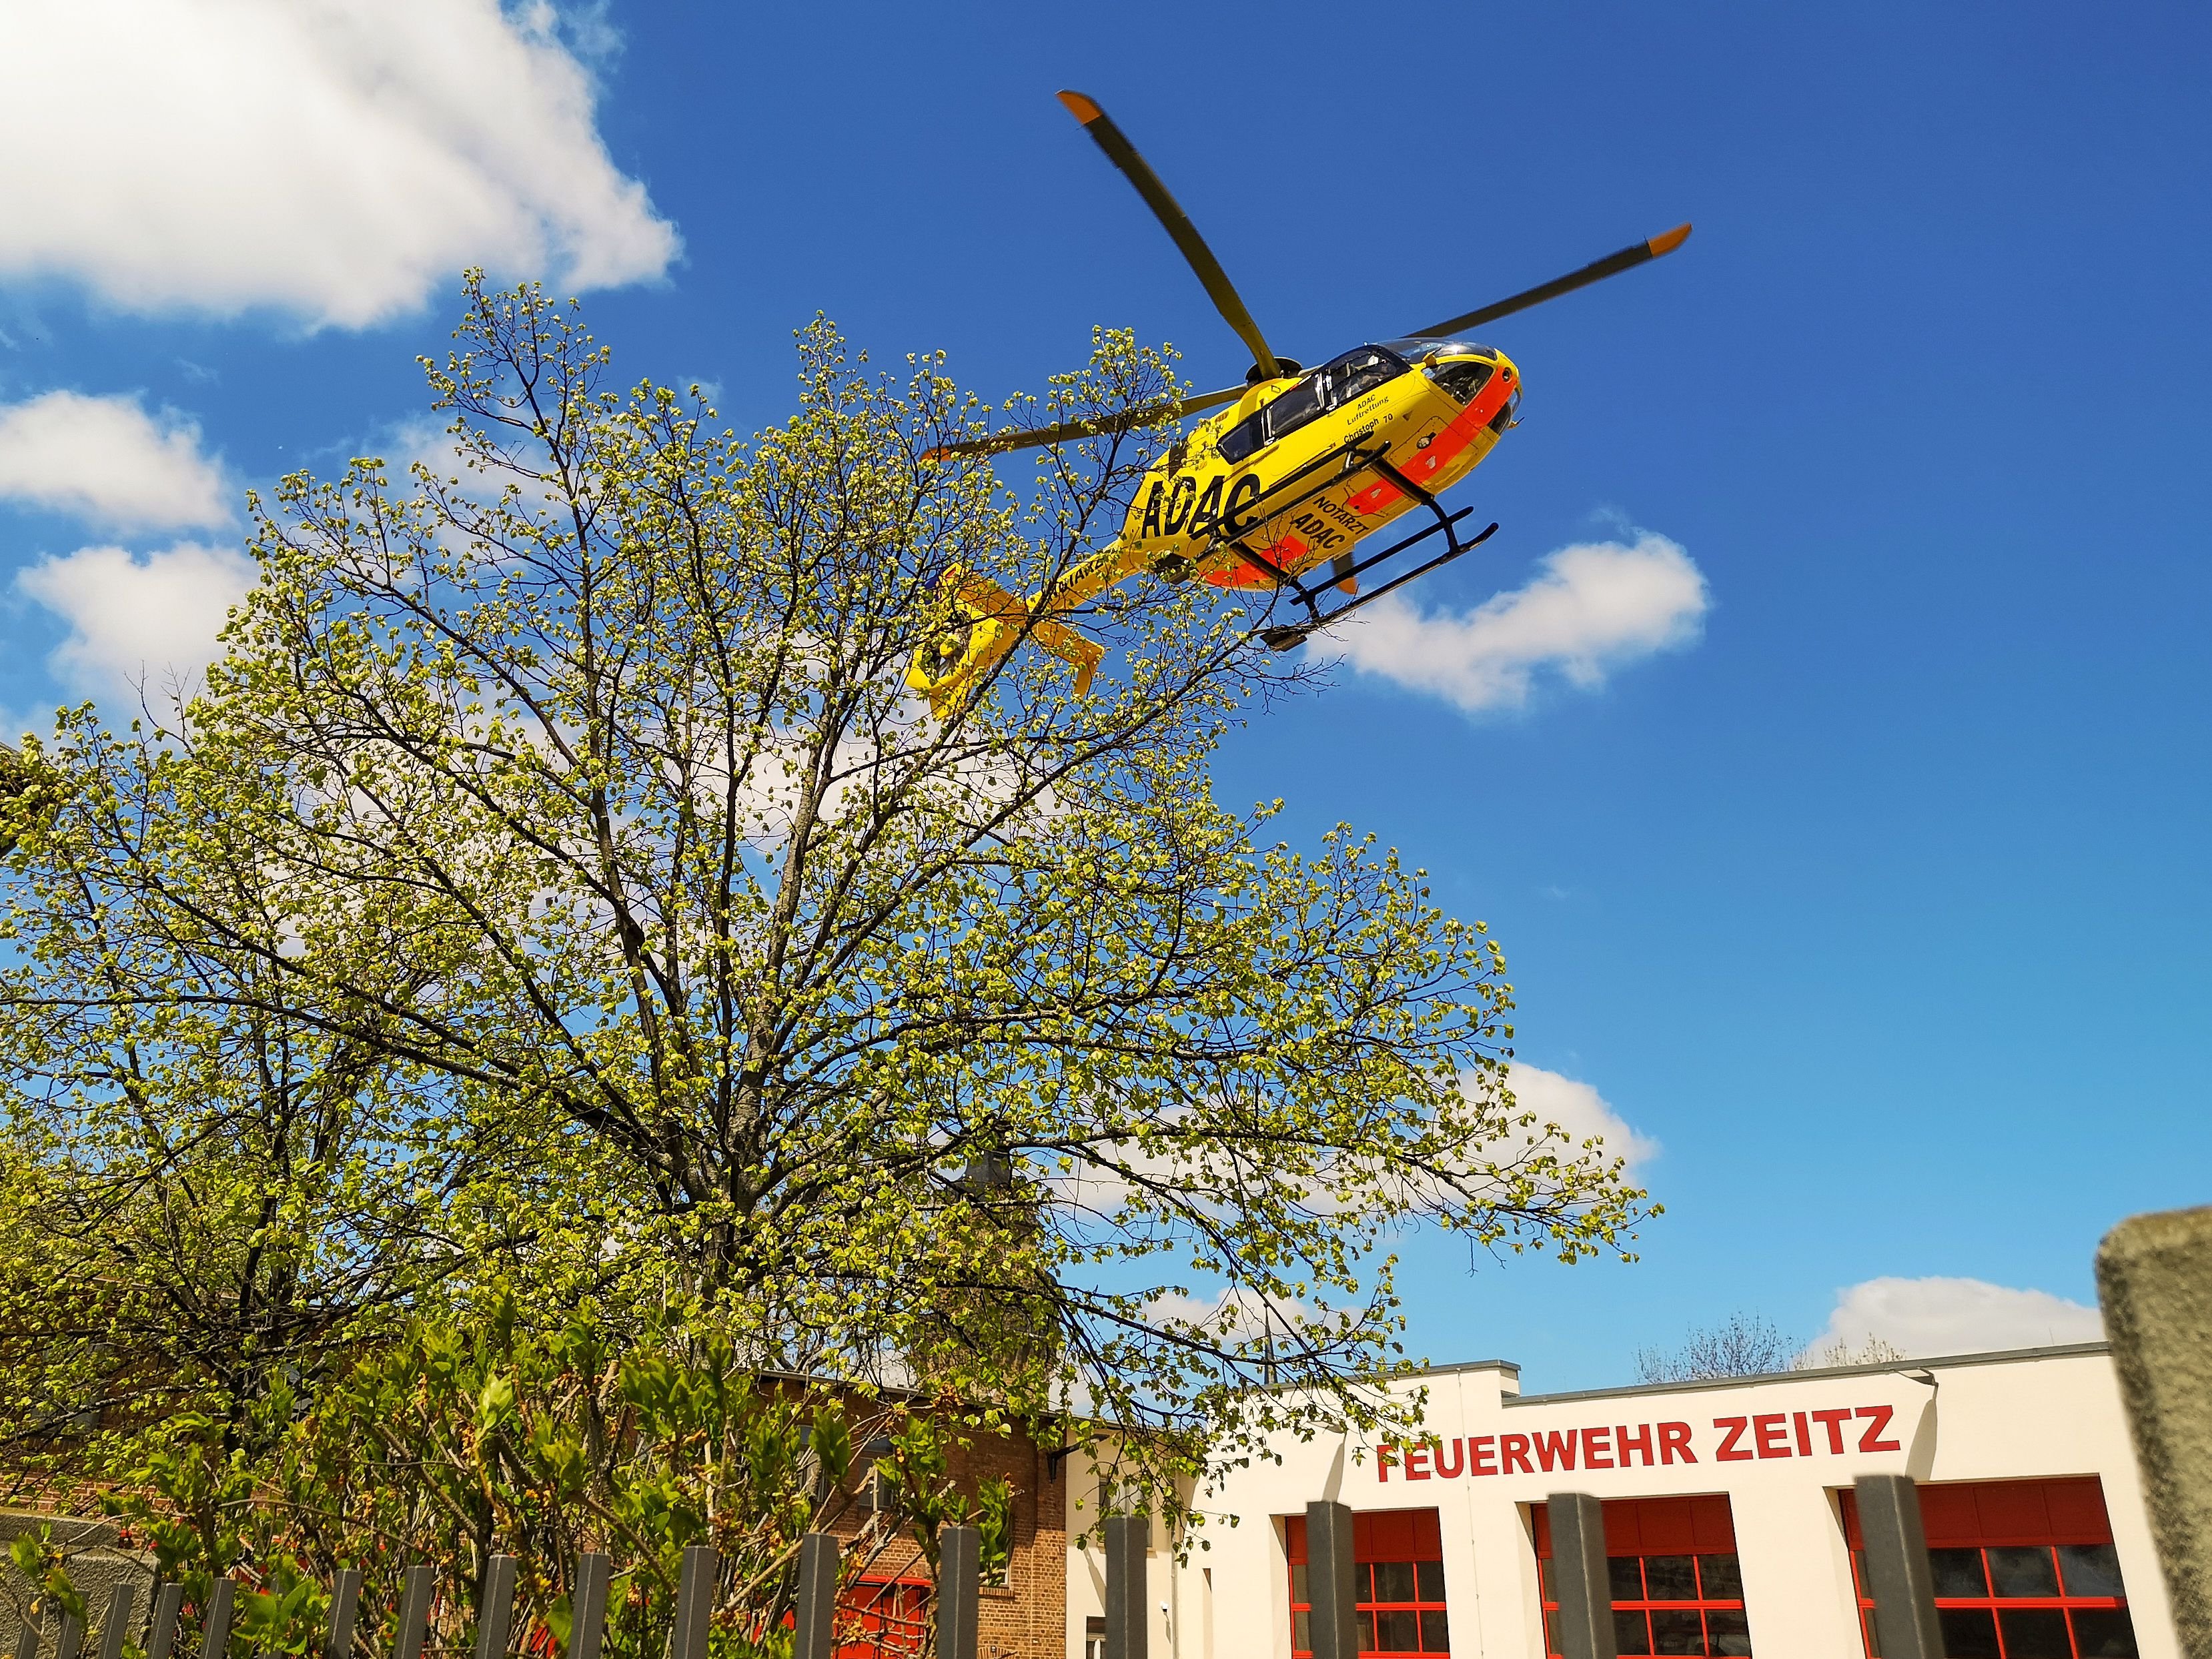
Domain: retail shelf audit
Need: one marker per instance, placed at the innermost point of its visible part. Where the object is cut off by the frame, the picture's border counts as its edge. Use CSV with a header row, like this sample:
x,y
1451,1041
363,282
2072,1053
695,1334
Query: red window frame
x,y
1398,1563
1709,1619
2007,1525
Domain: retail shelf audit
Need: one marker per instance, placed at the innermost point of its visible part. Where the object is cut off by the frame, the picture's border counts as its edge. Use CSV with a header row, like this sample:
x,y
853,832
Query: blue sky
x,y
1862,869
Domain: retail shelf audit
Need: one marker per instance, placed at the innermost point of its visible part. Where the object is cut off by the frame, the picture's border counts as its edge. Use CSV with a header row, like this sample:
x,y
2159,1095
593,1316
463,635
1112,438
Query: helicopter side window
x,y
1248,435
1297,406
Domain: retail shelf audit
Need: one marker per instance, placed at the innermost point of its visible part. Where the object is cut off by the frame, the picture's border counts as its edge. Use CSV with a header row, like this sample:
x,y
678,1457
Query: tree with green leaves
x,y
27,792
560,814
196,1192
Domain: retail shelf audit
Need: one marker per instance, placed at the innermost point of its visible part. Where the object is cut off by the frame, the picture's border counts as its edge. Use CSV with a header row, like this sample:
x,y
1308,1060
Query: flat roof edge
x,y
1999,1357
1458,1366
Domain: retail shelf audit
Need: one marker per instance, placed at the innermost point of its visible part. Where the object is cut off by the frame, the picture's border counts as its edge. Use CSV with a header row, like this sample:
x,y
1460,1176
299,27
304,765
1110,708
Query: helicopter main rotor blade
x,y
1596,271
1038,437
1218,288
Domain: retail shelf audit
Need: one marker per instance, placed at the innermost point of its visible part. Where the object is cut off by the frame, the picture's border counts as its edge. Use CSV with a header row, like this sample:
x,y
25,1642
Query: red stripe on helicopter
x,y
1442,449
1284,555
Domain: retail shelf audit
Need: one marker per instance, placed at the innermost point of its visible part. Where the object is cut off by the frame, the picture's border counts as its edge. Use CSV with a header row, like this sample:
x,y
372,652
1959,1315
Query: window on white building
x,y
2024,1569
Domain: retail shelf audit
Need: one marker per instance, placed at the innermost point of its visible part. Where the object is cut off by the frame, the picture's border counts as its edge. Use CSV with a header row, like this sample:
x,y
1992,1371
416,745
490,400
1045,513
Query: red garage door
x,y
1676,1586
883,1618
2024,1569
1398,1572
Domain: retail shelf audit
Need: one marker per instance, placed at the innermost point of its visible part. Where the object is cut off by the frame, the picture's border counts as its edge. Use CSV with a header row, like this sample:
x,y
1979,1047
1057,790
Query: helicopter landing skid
x,y
1284,638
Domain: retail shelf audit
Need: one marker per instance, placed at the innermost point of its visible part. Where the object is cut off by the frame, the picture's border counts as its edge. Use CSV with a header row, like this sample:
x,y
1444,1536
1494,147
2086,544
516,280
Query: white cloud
x,y
1580,1110
152,619
1933,1316
107,460
335,158
1595,607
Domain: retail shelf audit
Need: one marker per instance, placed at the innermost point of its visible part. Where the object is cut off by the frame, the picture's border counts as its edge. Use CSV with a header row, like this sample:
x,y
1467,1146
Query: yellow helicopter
x,y
1276,490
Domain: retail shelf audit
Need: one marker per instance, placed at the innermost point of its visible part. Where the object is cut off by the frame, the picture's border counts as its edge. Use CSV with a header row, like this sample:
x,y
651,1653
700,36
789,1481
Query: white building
x,y
1727,1517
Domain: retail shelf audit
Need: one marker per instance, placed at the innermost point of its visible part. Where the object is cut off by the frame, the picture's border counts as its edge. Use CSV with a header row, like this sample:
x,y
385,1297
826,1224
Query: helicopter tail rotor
x,y
982,622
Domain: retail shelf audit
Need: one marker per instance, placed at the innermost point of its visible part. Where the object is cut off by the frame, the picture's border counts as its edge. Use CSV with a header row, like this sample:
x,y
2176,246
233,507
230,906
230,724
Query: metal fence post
x,y
1126,1538
119,1621
345,1604
587,1605
168,1608
72,1637
27,1638
1579,1578
214,1639
495,1606
1331,1590
817,1596
414,1612
1899,1575
959,1579
695,1602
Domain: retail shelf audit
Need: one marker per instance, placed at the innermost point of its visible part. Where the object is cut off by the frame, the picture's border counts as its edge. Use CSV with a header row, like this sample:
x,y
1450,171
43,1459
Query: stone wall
x,y
96,1566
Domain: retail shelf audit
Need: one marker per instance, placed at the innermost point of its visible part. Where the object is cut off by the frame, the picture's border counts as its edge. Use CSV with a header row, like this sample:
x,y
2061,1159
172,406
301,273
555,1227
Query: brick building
x,y
1024,1616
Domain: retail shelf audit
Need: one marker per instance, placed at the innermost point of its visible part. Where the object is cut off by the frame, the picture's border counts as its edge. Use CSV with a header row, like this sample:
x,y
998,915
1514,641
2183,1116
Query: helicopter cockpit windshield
x,y
1460,367
1417,348
1332,385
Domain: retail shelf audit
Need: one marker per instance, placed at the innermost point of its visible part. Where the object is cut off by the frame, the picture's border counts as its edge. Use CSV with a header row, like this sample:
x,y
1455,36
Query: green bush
x,y
467,1437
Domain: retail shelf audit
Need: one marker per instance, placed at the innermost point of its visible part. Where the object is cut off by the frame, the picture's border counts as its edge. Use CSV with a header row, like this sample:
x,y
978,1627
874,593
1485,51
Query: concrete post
x,y
1127,1537
1898,1577
1579,1579
1331,1584
2155,1281
817,1596
959,1583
